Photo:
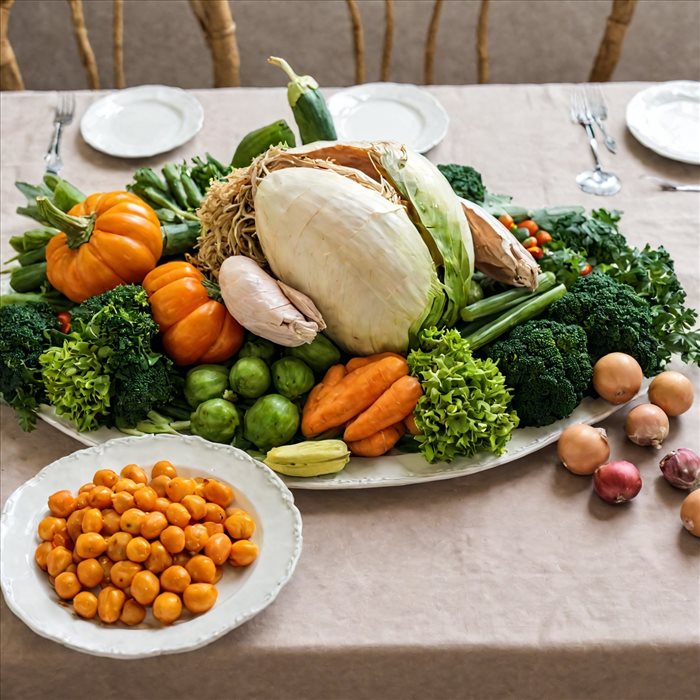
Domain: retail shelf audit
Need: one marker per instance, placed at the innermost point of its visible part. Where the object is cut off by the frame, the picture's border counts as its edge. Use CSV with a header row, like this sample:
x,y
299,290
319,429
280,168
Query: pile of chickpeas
x,y
126,543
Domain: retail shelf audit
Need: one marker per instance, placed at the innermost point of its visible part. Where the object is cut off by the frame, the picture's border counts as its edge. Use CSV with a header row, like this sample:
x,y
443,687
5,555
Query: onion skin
x,y
672,392
583,448
617,482
681,468
647,425
617,377
690,513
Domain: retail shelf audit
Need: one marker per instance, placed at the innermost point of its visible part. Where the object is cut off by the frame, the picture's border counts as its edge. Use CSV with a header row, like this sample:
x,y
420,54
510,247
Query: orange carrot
x,y
391,407
377,444
331,378
410,424
357,362
351,395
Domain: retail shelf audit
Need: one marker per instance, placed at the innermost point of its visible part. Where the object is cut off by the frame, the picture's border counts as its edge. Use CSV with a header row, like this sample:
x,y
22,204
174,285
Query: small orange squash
x,y
196,328
110,238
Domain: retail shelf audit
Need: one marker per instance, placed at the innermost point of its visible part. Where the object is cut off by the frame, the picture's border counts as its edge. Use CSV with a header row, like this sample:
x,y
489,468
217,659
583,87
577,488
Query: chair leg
x,y
216,21
10,76
430,43
611,46
388,39
358,38
482,42
87,56
118,41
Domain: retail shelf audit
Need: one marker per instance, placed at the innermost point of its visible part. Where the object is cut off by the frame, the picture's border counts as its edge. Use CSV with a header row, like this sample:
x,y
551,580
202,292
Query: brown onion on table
x,y
672,392
617,377
690,513
583,448
647,425
617,482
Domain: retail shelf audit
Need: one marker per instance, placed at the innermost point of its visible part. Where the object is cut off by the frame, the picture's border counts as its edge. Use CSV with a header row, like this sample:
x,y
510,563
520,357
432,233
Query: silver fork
x,y
63,116
599,112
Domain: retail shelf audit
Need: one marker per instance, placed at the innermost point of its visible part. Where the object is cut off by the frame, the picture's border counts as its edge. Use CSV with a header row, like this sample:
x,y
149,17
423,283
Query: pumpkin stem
x,y
78,229
213,289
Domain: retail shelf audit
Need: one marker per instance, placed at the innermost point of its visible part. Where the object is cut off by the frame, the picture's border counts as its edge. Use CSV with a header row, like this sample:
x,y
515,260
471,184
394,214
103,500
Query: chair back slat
x,y
118,44
482,42
87,55
216,21
430,42
358,38
10,75
388,39
611,45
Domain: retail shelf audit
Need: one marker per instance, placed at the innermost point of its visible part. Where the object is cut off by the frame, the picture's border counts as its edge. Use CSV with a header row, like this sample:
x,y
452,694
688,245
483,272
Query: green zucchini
x,y
258,141
308,106
28,278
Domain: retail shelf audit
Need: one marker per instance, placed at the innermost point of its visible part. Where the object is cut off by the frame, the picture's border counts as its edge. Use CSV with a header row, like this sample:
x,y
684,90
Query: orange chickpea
x,y
243,553
116,546
76,557
199,489
218,548
122,501
61,539
178,515
100,497
74,524
62,503
161,505
196,537
49,526
217,492
167,608
173,539
214,528
181,558
86,488
58,560
145,498
123,572
105,477
131,521
82,501
67,585
219,574
110,603
41,553
128,485
240,525
92,520
90,573
159,559
153,524
199,597
135,473
106,563
177,488
215,513
163,468
90,545
138,549
159,483
175,579
196,506
145,587
201,569
132,613
72,568
111,522
85,605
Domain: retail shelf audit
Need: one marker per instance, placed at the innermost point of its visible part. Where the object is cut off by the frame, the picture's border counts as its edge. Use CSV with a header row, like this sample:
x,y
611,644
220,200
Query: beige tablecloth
x,y
517,582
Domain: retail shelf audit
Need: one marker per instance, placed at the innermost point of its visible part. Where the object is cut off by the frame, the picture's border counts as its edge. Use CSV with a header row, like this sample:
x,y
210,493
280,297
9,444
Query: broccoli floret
x,y
465,181
22,340
547,365
140,389
614,317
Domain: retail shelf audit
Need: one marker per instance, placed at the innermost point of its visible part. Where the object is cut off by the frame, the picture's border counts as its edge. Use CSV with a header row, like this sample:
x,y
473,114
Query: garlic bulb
x,y
273,311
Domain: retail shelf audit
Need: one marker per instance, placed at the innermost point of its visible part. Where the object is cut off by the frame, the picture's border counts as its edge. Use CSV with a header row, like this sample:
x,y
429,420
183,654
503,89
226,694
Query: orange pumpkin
x,y
109,239
195,327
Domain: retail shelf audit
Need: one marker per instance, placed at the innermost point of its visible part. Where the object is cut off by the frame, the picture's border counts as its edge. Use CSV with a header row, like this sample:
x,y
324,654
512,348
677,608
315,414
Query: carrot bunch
x,y
372,397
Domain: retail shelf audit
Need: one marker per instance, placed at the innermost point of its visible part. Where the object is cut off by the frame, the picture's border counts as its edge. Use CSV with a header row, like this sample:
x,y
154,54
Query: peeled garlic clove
x,y
257,302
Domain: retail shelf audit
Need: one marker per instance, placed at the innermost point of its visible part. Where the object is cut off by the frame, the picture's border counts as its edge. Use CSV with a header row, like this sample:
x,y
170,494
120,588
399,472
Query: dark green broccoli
x,y
547,366
24,337
465,181
615,319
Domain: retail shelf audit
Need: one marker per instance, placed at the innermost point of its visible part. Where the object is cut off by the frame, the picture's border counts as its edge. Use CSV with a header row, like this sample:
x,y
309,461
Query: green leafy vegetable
x,y
465,181
547,366
464,408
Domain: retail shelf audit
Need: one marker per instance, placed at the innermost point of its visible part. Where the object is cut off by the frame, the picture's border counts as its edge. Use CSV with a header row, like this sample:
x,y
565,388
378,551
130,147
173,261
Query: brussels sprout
x,y
205,382
216,420
292,377
319,354
271,421
250,377
258,347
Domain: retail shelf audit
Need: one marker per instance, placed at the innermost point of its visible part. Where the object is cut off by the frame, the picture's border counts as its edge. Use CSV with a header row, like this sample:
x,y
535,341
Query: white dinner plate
x,y
242,593
389,112
666,118
142,121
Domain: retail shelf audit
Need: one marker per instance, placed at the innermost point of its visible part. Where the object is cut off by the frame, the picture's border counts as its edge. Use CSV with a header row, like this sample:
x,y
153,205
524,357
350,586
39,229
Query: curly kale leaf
x,y
465,181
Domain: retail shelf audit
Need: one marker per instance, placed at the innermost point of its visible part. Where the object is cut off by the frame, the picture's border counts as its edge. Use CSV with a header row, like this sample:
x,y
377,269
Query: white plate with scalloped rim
x,y
242,593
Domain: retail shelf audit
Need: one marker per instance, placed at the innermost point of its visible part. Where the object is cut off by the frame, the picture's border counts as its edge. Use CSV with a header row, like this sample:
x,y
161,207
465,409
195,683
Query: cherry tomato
x,y
63,318
530,225
529,242
506,220
585,270
536,252
543,238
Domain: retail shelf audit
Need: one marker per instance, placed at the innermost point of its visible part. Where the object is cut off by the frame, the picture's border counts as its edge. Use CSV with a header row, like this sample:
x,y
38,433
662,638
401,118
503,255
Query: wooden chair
x,y
214,17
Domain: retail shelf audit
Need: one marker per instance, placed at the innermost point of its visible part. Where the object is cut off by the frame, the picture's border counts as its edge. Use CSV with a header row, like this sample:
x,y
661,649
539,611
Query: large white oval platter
x,y
242,593
400,469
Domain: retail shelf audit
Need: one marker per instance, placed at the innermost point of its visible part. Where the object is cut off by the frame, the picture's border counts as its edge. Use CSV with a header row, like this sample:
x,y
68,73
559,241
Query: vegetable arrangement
x,y
310,302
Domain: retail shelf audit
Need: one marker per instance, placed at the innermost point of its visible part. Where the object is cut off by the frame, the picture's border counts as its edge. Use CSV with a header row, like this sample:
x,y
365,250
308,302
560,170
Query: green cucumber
x,y
258,141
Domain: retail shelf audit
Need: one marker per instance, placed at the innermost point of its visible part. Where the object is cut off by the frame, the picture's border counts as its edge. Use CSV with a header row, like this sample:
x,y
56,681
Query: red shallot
x,y
617,482
647,424
681,468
